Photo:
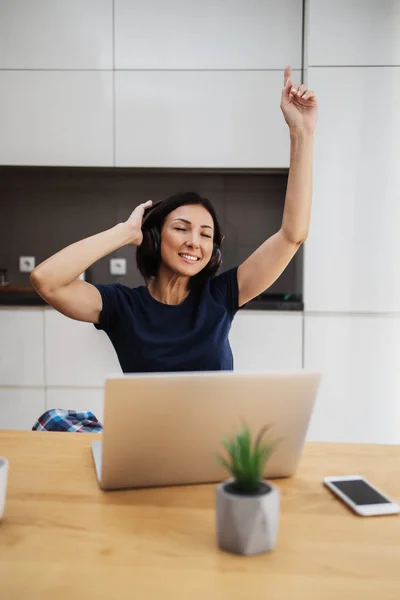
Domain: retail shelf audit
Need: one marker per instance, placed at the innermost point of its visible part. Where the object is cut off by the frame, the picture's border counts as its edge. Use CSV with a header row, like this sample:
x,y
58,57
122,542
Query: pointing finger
x,y
287,75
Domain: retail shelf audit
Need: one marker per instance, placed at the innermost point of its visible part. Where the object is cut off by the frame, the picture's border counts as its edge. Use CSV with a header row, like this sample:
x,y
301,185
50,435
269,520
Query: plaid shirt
x,y
58,419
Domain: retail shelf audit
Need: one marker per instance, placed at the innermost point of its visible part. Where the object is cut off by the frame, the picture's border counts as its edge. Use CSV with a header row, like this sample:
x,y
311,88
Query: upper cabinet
x,y
56,118
198,85
56,34
208,119
146,84
187,34
353,32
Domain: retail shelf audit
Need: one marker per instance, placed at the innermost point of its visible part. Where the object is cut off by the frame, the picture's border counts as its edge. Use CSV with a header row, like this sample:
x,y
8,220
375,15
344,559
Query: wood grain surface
x,y
62,537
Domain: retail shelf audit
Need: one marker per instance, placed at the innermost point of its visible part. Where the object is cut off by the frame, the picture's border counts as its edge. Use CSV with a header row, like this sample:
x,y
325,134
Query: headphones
x,y
152,243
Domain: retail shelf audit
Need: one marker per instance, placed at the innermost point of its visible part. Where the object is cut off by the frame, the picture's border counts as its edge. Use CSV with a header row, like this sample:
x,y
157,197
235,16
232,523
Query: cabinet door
x,y
351,254
200,119
265,341
358,357
77,355
76,399
21,347
187,34
20,407
353,32
56,118
55,34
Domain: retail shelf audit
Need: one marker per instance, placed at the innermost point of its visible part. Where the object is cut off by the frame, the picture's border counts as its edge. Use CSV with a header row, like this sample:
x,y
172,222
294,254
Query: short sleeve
x,y
224,288
110,294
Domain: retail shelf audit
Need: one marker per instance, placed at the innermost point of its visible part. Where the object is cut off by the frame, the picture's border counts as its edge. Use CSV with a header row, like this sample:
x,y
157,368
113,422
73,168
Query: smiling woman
x,y
180,320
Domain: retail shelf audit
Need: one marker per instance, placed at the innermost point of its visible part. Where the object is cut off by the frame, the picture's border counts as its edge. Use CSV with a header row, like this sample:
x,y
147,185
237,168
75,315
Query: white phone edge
x,y
366,510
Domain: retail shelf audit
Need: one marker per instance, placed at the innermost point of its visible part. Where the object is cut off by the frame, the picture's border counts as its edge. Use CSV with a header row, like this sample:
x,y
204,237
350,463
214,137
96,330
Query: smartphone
x,y
361,496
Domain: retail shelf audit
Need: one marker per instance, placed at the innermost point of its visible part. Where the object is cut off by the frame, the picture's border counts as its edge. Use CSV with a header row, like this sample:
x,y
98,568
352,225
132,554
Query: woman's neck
x,y
169,288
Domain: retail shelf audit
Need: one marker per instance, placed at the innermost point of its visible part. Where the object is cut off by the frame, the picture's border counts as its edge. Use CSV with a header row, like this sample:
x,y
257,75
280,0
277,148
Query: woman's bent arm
x,y
56,278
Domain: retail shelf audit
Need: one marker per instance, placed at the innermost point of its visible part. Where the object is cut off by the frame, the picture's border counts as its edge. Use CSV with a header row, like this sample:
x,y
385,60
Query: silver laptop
x,y
166,429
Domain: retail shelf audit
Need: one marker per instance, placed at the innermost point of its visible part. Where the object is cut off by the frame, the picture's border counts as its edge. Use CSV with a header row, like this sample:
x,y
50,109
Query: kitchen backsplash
x,y
43,209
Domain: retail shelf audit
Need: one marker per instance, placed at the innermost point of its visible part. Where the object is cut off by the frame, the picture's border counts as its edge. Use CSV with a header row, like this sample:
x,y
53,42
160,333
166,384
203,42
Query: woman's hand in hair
x,y
135,221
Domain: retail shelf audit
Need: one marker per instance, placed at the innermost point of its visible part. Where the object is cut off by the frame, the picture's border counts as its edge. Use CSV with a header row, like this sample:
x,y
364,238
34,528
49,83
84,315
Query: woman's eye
x,y
203,234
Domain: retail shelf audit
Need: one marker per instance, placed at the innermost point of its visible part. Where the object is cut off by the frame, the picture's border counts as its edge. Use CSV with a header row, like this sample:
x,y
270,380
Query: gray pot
x,y
247,524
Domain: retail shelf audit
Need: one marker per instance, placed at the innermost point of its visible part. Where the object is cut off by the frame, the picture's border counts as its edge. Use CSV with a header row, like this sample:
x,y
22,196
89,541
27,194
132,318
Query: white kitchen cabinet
x,y
77,354
358,357
353,32
351,257
200,119
20,407
78,399
55,34
263,340
54,118
21,347
187,34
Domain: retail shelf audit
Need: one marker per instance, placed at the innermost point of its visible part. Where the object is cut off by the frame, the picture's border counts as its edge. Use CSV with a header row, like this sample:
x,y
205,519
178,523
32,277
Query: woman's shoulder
x,y
120,293
224,289
223,280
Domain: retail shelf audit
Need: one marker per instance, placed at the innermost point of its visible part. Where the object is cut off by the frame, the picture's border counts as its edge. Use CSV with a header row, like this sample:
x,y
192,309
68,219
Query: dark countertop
x,y
266,303
26,296
20,295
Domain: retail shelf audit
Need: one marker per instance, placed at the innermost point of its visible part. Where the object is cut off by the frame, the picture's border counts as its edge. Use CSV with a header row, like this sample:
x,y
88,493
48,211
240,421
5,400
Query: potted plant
x,y
247,506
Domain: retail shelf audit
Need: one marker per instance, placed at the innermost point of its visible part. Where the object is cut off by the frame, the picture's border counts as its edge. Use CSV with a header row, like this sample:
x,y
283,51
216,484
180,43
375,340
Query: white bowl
x,y
3,483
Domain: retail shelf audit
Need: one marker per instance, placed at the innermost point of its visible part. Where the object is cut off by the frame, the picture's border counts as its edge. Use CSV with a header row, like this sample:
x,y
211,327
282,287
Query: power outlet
x,y
26,264
118,266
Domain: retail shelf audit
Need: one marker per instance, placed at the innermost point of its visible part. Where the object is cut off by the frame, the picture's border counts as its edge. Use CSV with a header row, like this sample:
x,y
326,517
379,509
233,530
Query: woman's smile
x,y
189,258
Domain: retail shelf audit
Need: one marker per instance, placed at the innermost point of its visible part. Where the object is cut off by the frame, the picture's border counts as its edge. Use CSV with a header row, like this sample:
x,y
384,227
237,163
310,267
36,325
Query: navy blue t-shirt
x,y
149,336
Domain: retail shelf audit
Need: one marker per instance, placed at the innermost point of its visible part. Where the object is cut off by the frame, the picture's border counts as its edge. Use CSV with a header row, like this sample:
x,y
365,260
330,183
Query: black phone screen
x,y
360,492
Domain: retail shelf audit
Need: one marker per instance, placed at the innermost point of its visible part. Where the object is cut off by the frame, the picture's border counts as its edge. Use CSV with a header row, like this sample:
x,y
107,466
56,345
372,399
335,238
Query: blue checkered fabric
x,y
58,419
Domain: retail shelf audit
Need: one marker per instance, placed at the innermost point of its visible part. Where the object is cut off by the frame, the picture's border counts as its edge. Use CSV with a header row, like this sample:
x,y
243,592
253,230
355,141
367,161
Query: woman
x,y
181,319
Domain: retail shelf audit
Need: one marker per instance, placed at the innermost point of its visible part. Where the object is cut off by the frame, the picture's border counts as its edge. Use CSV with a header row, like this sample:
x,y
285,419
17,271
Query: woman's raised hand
x,y
135,221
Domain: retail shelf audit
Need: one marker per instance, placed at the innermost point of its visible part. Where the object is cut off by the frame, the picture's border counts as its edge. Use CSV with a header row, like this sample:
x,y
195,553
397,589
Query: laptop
x,y
163,429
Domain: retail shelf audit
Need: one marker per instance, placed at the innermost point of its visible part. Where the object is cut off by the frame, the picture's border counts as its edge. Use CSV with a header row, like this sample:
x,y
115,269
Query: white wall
x,y
352,275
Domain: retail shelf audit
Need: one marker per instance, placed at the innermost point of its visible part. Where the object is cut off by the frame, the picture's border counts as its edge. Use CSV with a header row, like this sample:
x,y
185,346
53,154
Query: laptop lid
x,y
166,428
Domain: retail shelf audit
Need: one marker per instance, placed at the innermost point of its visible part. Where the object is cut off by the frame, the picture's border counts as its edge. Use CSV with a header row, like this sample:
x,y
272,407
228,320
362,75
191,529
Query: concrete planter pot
x,y
247,524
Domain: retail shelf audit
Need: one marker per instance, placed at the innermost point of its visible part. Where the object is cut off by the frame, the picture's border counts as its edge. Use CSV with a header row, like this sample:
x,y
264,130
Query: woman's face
x,y
187,239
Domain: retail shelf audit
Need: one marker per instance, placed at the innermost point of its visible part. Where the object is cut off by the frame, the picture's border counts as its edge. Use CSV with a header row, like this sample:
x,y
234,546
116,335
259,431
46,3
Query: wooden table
x,y
62,537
